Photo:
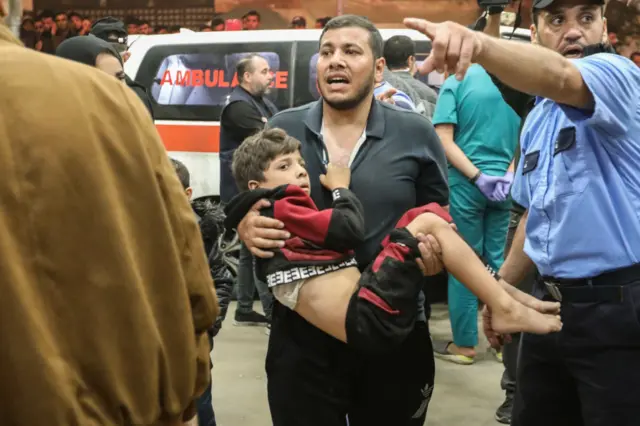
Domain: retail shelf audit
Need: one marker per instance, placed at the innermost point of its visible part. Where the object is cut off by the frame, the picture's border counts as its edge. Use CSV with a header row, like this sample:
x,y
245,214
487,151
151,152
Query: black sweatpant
x,y
310,373
396,388
316,380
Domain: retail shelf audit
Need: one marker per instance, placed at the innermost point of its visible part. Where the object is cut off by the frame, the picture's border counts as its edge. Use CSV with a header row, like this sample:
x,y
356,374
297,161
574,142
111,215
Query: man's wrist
x,y
483,45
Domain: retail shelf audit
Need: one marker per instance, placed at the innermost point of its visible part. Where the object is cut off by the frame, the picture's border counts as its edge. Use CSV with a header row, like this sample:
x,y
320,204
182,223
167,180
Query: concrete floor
x,y
464,395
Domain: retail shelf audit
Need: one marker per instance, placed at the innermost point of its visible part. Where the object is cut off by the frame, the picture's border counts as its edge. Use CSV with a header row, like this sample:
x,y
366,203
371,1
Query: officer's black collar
x,y
375,121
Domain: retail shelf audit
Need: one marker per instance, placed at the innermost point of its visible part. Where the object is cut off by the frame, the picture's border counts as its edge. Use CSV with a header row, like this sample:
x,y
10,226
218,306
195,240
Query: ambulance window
x,y
191,82
305,73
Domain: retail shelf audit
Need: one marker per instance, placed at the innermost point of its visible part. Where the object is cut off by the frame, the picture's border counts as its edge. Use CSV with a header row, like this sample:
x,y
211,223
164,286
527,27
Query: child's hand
x,y
336,177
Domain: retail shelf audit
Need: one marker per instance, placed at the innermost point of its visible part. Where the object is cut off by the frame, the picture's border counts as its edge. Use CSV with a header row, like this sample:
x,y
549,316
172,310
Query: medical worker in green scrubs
x,y
479,132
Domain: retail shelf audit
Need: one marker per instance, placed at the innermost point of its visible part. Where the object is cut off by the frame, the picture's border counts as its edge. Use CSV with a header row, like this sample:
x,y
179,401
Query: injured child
x,y
316,274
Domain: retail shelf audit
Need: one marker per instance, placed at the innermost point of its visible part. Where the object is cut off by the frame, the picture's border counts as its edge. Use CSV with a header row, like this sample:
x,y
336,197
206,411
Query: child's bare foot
x,y
513,317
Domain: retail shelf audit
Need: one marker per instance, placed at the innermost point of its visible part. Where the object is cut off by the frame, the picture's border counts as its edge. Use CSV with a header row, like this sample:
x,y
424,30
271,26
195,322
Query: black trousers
x,y
314,379
395,388
589,373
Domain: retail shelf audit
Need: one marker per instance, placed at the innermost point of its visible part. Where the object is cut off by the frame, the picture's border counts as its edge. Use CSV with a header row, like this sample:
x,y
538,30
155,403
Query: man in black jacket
x,y
246,111
113,30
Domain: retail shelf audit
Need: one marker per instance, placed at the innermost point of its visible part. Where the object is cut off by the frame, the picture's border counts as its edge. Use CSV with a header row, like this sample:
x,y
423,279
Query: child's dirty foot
x,y
516,317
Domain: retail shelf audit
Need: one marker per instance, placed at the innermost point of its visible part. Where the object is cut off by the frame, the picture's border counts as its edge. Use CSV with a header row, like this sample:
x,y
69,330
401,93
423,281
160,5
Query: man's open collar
x,y
375,121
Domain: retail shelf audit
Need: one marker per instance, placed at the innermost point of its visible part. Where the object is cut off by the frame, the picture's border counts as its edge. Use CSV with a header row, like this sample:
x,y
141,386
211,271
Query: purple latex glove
x,y
503,189
487,185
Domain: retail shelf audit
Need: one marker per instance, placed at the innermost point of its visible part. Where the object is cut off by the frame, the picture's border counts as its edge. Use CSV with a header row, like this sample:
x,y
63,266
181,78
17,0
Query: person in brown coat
x,y
105,292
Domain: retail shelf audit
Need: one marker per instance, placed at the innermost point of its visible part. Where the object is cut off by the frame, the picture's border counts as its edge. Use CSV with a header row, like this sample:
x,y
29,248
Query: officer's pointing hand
x,y
453,46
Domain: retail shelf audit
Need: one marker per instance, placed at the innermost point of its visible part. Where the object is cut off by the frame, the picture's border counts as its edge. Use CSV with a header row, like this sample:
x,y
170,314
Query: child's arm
x,y
340,228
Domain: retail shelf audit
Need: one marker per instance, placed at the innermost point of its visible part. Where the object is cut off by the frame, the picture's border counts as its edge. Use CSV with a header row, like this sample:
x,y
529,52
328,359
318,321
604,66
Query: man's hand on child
x,y
431,261
261,234
336,177
496,340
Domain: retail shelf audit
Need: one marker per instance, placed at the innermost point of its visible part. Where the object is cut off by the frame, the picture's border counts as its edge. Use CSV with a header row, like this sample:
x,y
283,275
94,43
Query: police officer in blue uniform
x,y
578,179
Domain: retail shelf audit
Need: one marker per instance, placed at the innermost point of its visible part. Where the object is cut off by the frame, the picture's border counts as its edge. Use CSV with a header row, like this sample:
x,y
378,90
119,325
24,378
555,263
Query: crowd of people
x,y
525,148
46,30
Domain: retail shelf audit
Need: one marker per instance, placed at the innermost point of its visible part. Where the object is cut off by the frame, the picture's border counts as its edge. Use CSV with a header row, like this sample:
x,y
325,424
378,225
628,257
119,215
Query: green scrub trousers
x,y
483,225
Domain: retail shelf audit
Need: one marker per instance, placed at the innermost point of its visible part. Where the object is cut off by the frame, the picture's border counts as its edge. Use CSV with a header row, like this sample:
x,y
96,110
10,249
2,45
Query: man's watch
x,y
475,177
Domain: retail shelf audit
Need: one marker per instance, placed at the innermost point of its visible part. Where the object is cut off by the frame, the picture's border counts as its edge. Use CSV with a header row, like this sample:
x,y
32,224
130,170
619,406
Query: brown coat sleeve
x,y
203,301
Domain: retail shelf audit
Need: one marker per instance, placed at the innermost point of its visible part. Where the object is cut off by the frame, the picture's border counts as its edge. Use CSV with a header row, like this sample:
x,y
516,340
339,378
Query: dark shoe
x,y
503,414
250,319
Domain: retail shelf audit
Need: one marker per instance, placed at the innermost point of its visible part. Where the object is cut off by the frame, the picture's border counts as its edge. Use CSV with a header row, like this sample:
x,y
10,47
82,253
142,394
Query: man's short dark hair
x,y
48,13
634,55
182,172
397,51
76,14
245,65
61,13
255,154
355,21
217,21
251,13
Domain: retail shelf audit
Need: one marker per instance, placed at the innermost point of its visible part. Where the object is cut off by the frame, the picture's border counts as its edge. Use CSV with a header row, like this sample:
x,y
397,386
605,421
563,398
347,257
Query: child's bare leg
x,y
460,260
373,311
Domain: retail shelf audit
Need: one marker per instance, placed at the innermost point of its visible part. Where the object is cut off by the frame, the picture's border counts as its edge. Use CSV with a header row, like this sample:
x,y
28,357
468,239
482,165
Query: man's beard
x,y
351,103
260,91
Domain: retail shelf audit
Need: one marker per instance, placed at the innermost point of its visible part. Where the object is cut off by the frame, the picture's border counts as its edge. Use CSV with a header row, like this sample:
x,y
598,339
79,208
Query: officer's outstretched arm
x,y
517,264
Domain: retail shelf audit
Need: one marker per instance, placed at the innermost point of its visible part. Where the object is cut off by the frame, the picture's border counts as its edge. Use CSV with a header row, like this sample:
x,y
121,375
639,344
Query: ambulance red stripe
x,y
186,136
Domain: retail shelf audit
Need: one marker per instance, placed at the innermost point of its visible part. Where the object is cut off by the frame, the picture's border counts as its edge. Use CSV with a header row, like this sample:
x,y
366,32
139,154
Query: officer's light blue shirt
x,y
579,175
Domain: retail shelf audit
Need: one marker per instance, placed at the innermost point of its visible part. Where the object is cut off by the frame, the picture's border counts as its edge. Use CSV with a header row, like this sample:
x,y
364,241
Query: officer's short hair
x,y
255,154
245,65
182,172
397,51
355,21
